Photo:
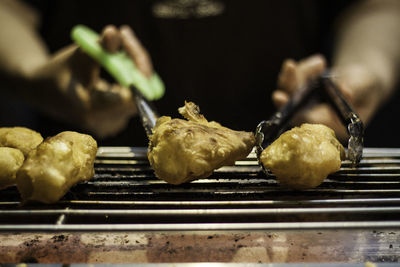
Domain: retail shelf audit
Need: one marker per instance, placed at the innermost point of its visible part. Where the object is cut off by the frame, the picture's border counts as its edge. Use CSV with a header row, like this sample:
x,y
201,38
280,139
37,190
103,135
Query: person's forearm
x,y
369,36
21,48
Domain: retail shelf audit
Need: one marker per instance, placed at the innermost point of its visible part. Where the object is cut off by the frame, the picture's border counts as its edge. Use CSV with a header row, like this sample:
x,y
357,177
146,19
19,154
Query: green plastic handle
x,y
119,65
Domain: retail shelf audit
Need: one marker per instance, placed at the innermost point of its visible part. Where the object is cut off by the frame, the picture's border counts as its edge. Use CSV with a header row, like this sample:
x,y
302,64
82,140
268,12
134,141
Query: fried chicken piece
x,y
20,137
302,157
55,166
11,160
183,150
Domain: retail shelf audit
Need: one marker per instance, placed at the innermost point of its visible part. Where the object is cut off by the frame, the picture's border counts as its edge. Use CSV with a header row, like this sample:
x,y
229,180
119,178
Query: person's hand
x,y
72,89
359,85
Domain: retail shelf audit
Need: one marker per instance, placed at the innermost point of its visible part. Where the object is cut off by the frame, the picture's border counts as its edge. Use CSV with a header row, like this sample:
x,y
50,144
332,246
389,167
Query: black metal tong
x,y
268,131
147,112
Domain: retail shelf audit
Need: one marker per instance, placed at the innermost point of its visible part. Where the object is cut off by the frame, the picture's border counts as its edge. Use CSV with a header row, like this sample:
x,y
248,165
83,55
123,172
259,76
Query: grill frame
x,y
240,198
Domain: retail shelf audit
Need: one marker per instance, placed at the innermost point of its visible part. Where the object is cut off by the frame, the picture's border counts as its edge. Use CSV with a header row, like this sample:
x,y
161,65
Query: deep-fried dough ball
x,y
11,160
181,150
20,137
303,157
56,165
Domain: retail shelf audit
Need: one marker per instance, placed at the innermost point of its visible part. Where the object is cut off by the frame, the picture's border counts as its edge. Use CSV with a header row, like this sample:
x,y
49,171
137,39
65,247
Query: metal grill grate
x,y
125,195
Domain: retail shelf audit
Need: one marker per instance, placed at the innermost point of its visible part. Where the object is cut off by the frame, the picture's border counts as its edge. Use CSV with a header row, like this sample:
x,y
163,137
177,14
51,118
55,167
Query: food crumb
x,y
370,264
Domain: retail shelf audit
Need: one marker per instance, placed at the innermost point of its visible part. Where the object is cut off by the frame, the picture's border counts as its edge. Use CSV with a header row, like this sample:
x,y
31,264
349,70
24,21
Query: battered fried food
x,y
11,160
15,145
303,157
20,137
184,150
55,166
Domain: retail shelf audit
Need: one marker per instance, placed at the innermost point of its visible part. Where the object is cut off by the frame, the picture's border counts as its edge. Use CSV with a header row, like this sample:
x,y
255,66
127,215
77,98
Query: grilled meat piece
x,y
303,157
55,166
184,150
11,160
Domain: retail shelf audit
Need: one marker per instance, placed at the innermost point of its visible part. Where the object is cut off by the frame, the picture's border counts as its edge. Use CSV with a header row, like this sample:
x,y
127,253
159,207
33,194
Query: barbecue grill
x,y
239,214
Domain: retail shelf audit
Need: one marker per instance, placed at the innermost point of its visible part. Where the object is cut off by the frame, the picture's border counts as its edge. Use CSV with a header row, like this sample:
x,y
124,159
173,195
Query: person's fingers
x,y
346,90
310,67
112,106
106,94
280,98
293,74
363,97
102,96
83,68
287,78
110,39
136,51
322,114
359,85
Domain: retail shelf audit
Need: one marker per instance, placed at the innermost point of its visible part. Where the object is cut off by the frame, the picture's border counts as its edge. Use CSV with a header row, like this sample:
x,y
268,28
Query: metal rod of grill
x,y
125,195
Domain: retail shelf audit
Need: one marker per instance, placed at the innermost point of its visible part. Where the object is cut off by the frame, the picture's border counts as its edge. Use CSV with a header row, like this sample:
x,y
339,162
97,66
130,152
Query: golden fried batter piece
x,y
55,166
20,137
11,160
184,150
303,157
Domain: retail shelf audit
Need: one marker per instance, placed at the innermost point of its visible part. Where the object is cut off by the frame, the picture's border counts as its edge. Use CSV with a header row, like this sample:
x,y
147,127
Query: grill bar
x,y
208,226
105,203
203,212
125,195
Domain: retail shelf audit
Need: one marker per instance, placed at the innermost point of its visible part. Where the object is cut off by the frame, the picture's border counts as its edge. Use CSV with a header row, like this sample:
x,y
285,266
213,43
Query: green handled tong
x,y
124,71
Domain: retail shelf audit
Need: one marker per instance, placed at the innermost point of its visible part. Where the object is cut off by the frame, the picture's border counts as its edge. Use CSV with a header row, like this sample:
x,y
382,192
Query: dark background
x,y
227,64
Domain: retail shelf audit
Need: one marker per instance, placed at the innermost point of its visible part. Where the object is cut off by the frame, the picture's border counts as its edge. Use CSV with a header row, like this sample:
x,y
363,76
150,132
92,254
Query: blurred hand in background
x,y
358,84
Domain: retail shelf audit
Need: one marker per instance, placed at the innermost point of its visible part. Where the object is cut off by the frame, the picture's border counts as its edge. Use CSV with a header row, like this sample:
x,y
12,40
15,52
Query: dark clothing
x,y
227,63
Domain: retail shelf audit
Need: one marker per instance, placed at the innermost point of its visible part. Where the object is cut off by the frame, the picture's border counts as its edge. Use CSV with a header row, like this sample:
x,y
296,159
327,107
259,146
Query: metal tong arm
x,y
348,116
147,112
268,131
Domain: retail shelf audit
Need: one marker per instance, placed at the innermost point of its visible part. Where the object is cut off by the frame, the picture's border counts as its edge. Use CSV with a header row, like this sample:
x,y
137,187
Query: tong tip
x,y
356,140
